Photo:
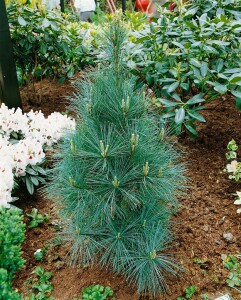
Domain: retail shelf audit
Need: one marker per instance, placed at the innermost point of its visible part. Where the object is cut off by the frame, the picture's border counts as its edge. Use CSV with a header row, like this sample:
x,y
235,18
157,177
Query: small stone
x,y
59,265
229,237
224,297
206,228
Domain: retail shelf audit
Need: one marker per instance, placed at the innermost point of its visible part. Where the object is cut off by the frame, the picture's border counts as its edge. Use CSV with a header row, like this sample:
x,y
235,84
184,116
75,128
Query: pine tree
x,y
116,179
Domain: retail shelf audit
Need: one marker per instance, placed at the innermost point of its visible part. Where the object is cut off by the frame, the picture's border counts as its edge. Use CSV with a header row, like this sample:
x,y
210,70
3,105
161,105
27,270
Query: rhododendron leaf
x,y
180,115
31,171
29,185
34,180
238,103
196,115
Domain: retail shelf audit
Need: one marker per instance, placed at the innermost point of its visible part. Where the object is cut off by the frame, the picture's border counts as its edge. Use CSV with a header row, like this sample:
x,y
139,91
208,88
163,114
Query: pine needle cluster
x,y
116,179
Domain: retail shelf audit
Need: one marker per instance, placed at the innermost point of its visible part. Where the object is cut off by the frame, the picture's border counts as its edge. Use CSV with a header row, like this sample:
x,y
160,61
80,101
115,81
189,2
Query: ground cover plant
x,y
116,178
189,56
12,231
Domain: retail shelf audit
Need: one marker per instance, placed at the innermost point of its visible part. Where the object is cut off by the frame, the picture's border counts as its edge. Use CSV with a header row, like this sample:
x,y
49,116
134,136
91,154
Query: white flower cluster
x,y
34,132
232,167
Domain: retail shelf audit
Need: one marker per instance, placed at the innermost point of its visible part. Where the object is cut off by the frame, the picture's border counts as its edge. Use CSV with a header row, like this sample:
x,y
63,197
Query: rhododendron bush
x,y
24,139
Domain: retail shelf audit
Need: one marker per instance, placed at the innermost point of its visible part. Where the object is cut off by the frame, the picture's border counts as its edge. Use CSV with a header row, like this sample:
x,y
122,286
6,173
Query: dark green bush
x,y
190,56
116,178
46,44
12,231
6,291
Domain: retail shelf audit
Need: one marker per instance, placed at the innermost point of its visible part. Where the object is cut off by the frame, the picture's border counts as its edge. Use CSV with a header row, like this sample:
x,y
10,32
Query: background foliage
x,y
193,51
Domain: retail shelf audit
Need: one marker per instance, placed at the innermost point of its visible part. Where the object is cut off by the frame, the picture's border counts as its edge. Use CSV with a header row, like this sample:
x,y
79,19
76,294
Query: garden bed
x,y
206,213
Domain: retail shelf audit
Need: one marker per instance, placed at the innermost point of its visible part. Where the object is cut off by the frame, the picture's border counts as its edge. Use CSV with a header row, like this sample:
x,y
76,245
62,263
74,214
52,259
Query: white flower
x,y
237,202
37,251
34,132
232,167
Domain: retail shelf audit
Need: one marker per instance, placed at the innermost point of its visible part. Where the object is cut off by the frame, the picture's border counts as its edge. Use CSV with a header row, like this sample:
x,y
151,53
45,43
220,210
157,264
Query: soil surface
x,y
206,213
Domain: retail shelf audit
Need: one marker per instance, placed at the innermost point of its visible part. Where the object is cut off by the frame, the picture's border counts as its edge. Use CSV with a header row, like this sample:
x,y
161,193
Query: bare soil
x,y
205,214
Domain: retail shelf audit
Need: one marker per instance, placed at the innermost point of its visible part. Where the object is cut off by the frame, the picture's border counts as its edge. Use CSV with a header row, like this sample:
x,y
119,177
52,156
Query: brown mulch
x,y
205,214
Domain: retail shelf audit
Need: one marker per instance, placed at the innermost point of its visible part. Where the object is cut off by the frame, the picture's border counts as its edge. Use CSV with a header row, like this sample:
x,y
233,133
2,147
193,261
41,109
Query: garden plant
x,y
116,179
24,140
188,56
12,233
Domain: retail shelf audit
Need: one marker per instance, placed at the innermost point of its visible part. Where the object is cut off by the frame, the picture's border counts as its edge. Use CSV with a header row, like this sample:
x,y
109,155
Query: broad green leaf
x,y
235,79
31,171
204,69
34,180
222,89
176,97
29,185
21,21
196,99
232,71
168,115
219,65
236,93
220,43
167,103
238,103
46,23
195,62
197,73
172,87
191,129
180,115
196,115
203,19
191,12
185,86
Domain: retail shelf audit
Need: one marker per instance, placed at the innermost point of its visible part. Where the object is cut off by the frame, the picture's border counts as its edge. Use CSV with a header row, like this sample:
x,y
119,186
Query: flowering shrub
x,y
234,168
24,139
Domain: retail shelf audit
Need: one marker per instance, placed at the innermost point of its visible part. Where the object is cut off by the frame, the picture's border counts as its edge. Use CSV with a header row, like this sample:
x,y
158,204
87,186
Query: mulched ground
x,y
206,213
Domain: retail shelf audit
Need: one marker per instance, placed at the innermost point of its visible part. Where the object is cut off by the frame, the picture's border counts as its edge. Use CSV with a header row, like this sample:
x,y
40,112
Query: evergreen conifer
x,y
116,179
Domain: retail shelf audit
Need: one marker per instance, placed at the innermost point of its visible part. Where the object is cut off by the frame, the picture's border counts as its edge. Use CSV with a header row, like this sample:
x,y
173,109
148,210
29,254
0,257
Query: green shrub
x,y
12,230
6,291
191,52
116,178
46,44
